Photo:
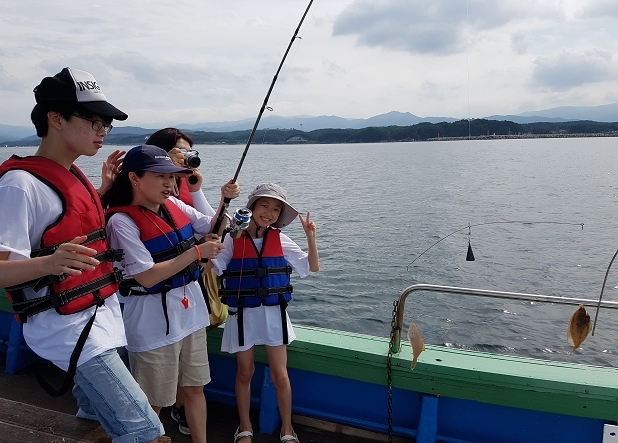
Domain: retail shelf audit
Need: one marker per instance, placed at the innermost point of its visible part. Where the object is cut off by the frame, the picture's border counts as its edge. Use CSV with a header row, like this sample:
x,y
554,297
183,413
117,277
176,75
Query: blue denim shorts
x,y
104,387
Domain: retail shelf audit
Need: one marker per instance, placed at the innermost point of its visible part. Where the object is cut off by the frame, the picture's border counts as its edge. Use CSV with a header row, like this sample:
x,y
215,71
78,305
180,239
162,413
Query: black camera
x,y
192,159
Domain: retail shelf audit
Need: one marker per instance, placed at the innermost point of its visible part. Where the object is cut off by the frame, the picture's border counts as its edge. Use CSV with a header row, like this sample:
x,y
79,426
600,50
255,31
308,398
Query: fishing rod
x,y
596,316
226,201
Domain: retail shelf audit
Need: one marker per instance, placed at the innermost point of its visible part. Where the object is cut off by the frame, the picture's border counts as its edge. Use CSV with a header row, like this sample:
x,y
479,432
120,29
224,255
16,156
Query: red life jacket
x,y
183,191
82,214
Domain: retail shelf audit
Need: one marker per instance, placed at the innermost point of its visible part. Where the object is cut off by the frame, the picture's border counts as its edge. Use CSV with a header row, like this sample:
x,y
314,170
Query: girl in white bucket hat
x,y
256,270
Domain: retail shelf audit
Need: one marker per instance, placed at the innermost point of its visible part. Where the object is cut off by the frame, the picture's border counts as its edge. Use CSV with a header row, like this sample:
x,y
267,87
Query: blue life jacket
x,y
254,278
165,238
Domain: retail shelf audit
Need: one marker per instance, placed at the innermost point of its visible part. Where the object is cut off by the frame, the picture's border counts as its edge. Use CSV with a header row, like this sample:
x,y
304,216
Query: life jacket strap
x,y
110,255
258,272
130,286
174,251
27,308
257,292
241,327
67,383
283,304
65,297
99,234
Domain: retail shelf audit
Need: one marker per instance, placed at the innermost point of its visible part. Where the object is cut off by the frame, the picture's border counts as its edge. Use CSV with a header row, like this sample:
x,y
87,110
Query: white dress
x,y
144,321
262,325
29,206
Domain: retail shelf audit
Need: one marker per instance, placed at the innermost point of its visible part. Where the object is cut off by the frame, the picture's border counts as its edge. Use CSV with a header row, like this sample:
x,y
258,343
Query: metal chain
x,y
389,372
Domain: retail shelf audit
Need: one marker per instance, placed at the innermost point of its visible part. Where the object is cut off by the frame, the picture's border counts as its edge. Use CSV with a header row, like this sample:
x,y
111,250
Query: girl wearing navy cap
x,y
165,314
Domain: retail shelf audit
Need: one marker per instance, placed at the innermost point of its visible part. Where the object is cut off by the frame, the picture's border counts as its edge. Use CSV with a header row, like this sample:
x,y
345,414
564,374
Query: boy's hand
x,y
72,258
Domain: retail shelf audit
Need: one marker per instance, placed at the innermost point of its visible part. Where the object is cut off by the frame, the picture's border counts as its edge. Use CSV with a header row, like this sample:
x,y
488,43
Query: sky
x,y
199,61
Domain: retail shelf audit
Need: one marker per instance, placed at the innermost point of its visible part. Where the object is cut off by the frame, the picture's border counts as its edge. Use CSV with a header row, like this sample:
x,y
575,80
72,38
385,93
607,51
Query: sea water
x,y
379,207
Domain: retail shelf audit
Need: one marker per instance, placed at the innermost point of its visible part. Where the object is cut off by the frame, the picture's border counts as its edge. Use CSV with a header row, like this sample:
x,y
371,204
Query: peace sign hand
x,y
308,225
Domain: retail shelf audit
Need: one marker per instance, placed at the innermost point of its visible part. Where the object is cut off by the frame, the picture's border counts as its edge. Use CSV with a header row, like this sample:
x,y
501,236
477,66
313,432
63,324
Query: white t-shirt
x,y
201,204
143,316
262,325
28,207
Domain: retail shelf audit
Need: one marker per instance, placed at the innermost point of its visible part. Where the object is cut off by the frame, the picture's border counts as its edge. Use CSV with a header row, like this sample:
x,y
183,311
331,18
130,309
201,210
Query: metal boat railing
x,y
398,325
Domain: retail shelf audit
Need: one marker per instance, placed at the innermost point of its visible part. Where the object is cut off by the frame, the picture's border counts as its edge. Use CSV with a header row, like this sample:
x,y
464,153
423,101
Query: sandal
x,y
238,435
290,438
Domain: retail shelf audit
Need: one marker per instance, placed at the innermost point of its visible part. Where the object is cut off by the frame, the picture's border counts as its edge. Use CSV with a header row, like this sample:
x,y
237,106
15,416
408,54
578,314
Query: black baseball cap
x,y
150,158
73,85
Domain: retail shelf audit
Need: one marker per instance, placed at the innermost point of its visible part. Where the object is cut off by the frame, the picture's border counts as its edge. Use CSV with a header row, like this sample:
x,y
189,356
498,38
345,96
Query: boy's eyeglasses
x,y
97,125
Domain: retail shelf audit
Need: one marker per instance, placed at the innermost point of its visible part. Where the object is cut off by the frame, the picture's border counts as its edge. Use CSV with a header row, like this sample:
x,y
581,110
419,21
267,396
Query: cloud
x,y
332,67
599,9
437,27
8,82
520,41
569,69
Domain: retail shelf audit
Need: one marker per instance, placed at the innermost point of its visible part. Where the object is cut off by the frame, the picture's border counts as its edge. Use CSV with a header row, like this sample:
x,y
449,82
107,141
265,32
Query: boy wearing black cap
x,y
55,261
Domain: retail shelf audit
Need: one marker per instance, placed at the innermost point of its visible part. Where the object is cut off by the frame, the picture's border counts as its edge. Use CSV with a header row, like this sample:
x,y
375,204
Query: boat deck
x,y
28,415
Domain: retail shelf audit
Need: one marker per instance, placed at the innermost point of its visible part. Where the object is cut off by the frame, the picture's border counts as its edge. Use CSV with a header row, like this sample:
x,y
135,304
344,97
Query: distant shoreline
x,y
299,141
460,130
521,136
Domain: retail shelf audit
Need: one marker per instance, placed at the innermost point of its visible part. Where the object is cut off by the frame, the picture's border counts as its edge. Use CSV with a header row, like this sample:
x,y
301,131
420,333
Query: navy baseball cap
x,y
150,158
73,85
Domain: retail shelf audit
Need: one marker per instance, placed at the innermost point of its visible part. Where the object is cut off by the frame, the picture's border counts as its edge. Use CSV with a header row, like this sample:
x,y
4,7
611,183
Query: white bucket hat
x,y
288,213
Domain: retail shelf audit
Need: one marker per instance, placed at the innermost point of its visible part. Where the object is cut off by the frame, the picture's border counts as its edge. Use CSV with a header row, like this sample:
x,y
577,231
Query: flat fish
x,y
579,327
416,341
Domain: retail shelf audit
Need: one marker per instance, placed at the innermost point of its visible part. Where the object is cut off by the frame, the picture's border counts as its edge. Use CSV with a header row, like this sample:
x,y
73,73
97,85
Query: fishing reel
x,y
239,221
192,159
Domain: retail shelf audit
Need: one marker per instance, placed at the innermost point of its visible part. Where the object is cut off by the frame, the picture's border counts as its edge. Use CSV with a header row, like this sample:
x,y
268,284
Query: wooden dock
x,y
29,415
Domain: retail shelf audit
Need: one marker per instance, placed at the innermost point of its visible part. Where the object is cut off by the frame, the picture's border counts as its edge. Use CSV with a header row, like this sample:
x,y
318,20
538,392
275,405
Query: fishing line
x,y
287,70
470,255
468,65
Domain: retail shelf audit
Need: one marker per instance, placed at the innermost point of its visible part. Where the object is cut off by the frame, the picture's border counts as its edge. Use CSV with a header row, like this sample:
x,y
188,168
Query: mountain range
x,y
601,113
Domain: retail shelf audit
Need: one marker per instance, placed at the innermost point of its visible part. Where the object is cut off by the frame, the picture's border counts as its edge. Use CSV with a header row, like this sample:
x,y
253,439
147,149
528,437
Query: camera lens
x,y
192,159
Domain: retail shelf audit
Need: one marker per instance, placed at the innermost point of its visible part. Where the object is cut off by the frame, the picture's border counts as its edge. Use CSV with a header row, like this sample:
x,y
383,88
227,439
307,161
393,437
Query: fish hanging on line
x,y
416,341
579,327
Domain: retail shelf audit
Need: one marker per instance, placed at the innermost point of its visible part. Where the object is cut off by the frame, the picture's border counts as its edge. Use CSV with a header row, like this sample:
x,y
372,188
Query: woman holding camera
x,y
179,147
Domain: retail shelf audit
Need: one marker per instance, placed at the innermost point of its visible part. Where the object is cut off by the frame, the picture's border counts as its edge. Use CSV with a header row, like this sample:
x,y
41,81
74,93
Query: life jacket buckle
x,y
261,272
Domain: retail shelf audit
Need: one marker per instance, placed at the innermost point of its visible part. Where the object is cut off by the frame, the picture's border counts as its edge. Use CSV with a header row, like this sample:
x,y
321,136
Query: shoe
x,y
178,415
238,435
290,438
164,439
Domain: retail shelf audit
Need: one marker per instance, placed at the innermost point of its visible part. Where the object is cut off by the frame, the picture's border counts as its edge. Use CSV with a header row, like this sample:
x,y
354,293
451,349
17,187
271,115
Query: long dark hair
x,y
167,138
121,192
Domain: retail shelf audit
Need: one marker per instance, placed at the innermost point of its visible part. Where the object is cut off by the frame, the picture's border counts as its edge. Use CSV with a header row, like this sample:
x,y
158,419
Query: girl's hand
x,y
110,170
210,248
72,258
308,226
230,190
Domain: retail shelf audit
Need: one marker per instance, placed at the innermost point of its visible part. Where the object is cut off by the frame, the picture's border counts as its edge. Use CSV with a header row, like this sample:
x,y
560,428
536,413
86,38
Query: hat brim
x,y
287,215
103,109
168,169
